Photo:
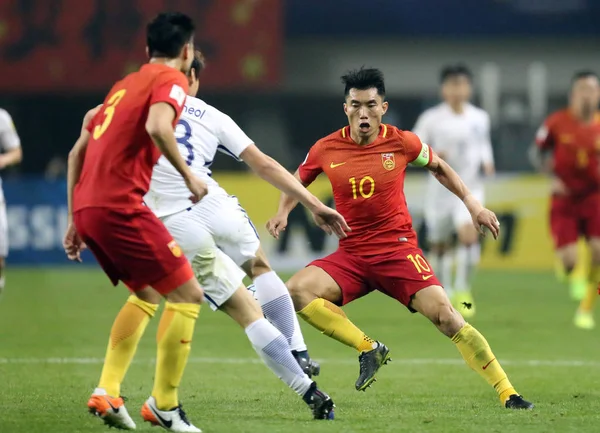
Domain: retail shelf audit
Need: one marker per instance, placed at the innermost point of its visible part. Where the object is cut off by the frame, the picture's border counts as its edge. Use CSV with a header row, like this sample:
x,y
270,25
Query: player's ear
x,y
345,108
385,106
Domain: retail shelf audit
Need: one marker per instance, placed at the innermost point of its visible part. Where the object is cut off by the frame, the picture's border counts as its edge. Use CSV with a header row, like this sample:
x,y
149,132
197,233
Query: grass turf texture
x,y
67,313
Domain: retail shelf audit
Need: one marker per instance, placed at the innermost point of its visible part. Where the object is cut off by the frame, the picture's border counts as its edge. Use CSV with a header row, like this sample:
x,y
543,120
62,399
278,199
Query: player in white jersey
x,y
201,132
460,133
10,145
217,237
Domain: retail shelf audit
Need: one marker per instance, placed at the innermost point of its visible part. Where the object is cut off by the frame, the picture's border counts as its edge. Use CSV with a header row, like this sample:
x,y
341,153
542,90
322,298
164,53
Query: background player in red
x,y
568,147
365,163
109,172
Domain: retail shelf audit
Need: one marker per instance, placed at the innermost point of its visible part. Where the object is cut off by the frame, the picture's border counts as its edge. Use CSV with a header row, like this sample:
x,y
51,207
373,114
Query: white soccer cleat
x,y
172,420
111,409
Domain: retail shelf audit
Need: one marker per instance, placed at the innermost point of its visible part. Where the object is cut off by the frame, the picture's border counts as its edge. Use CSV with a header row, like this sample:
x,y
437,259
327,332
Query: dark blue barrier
x,y
37,218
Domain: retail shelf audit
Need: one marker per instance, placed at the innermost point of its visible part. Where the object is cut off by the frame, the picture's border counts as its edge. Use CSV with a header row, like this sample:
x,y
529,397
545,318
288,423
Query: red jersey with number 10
x,y
368,186
575,147
120,154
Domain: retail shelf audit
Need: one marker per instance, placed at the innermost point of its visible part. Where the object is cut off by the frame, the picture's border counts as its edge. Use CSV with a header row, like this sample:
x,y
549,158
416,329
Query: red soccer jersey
x,y
575,147
368,186
120,154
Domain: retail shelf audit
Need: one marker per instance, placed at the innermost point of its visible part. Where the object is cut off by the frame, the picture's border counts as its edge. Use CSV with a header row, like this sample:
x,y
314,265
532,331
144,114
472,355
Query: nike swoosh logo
x,y
115,409
332,165
164,422
426,277
488,364
185,341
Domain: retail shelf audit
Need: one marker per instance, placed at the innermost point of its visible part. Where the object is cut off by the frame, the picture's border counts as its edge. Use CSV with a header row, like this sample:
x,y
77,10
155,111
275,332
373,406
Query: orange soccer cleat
x,y
111,409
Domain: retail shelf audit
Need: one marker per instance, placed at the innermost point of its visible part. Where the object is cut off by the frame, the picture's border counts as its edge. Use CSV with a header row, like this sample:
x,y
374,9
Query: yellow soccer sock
x,y
477,354
333,322
126,332
589,300
174,339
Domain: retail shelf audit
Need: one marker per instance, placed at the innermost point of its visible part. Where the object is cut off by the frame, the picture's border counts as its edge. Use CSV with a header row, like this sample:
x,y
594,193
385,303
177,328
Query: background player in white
x,y
10,144
216,230
460,133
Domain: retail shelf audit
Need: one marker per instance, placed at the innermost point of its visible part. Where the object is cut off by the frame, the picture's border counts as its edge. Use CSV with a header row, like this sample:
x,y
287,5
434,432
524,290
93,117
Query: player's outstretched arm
x,y
71,241
271,171
279,222
159,126
481,216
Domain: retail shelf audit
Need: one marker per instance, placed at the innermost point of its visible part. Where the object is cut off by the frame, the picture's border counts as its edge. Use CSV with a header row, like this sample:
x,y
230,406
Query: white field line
x,y
349,361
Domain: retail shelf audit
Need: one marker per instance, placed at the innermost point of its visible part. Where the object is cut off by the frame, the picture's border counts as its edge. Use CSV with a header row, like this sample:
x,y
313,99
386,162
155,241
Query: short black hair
x,y
583,73
363,79
198,63
168,33
452,71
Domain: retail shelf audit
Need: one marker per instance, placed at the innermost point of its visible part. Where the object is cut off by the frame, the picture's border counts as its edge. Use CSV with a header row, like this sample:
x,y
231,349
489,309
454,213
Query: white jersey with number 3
x,y
201,132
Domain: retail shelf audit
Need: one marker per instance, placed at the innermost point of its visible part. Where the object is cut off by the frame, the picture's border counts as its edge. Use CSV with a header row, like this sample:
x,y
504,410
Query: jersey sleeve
x,y
311,167
418,154
544,138
232,139
9,139
172,88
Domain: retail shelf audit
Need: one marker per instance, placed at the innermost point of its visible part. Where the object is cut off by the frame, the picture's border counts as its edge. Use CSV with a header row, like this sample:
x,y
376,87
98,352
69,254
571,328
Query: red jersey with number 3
x,y
575,147
120,154
368,186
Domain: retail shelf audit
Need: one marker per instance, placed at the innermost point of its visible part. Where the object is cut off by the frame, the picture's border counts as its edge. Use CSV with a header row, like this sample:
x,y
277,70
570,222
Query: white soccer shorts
x,y
447,217
217,237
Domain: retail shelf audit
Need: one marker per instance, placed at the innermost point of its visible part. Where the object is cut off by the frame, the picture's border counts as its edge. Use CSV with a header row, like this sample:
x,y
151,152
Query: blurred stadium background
x,y
273,66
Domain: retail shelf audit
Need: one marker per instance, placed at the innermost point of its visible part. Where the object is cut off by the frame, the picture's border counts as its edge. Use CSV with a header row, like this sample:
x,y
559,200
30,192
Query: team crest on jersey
x,y
388,161
175,249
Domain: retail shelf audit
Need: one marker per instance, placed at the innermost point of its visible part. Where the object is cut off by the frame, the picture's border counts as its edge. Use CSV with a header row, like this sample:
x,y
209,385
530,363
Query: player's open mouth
x,y
364,127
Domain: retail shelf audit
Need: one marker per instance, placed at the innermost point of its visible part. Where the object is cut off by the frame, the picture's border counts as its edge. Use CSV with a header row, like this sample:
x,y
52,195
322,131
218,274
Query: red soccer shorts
x,y
134,247
571,217
399,275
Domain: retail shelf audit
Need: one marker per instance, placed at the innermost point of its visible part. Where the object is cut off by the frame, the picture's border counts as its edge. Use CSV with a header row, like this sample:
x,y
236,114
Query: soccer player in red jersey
x,y
568,147
109,172
366,163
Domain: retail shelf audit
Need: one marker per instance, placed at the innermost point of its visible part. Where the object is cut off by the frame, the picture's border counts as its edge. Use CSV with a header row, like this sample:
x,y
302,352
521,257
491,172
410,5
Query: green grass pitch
x,y
54,326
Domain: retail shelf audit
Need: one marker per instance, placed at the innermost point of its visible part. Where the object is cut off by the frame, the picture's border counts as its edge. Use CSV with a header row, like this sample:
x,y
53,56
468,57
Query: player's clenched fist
x,y
487,219
197,187
276,225
73,244
330,221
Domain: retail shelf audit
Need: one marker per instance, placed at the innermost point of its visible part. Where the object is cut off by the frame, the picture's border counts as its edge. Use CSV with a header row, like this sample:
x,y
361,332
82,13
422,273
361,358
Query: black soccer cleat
x,y
309,367
320,403
517,402
370,362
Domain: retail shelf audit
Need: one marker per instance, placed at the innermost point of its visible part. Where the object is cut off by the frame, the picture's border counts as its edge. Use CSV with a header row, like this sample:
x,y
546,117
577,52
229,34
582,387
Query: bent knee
x,y
447,319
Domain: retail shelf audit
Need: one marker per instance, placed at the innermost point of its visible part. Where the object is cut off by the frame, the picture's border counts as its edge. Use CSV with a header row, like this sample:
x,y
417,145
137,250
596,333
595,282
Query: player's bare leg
x,y
273,348
106,401
276,303
174,337
315,294
433,303
569,257
468,253
584,318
